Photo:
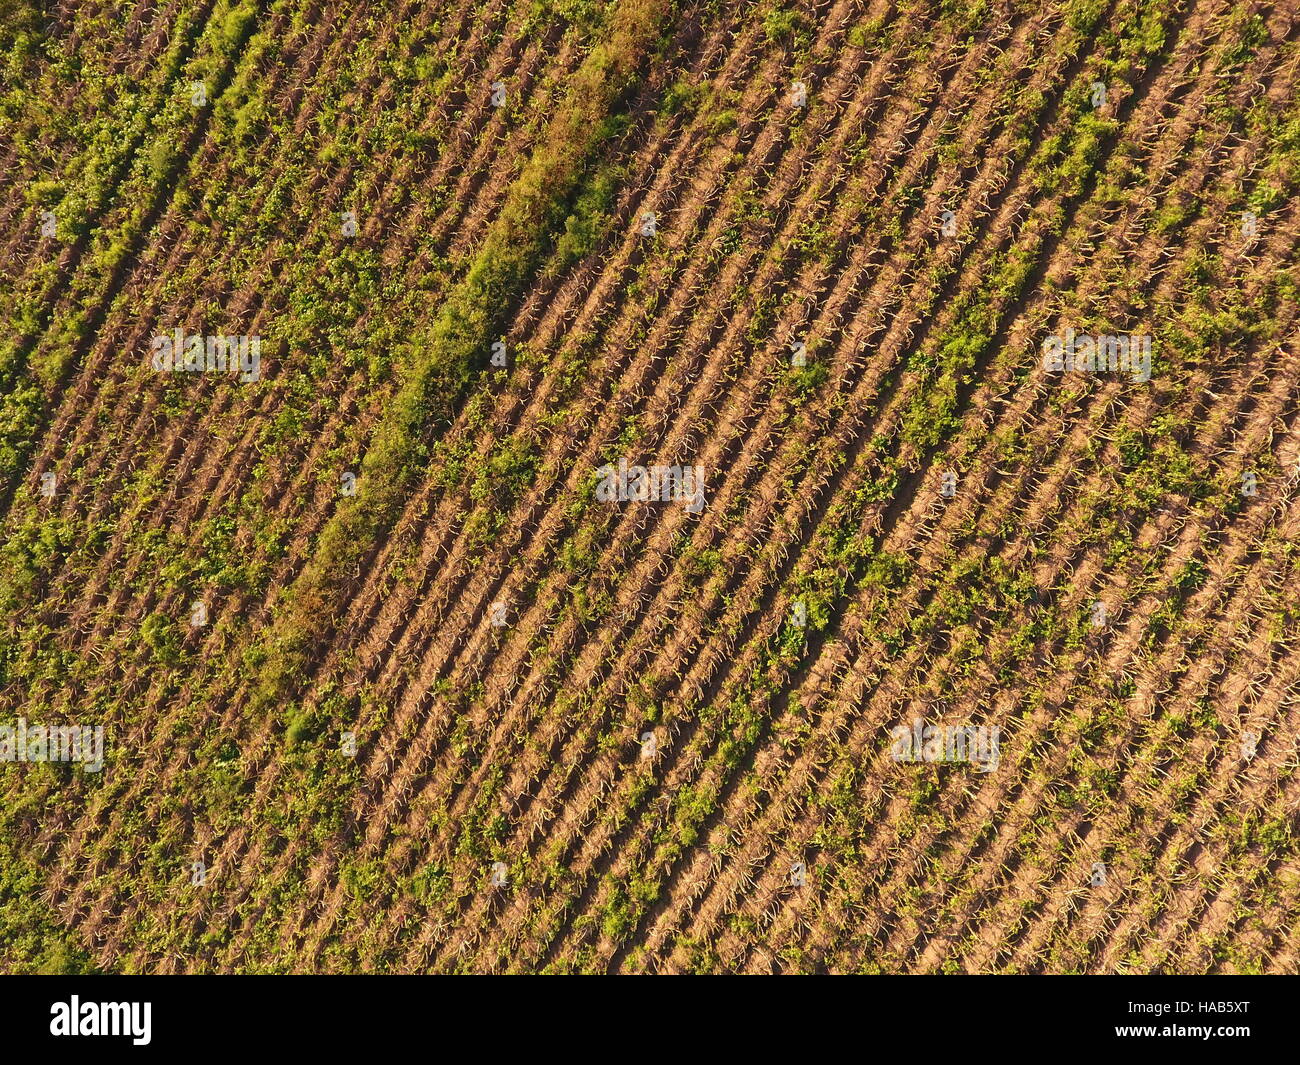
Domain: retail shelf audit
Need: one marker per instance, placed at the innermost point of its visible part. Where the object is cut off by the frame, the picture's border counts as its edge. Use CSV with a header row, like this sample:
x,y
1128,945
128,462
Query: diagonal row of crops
x,y
446,708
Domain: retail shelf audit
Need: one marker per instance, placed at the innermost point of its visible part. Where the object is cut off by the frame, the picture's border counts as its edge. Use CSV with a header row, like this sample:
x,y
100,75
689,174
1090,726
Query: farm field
x,y
692,487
